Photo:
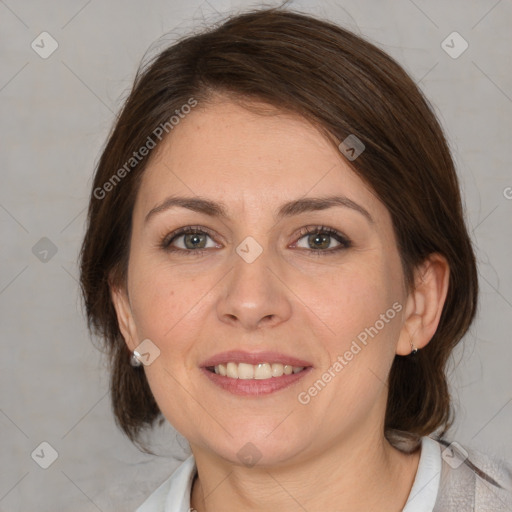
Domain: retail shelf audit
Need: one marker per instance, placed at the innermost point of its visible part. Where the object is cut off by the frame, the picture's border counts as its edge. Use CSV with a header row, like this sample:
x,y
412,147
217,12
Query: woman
x,y
277,259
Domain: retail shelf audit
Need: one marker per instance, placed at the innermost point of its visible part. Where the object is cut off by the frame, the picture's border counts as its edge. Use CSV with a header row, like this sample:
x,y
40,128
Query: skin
x,y
330,453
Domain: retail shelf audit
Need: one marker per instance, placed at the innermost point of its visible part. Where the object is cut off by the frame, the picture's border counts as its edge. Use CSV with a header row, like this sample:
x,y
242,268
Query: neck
x,y
356,474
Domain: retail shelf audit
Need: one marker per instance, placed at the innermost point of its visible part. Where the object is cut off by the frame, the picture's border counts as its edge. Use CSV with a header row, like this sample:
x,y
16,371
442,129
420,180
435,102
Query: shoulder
x,y
472,480
461,478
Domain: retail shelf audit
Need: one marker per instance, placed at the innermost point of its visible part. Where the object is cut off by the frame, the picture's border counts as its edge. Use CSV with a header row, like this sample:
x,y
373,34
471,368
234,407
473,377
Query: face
x,y
269,274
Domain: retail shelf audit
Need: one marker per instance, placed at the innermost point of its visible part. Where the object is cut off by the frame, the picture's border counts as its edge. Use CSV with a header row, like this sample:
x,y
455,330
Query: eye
x,y
319,239
189,239
194,239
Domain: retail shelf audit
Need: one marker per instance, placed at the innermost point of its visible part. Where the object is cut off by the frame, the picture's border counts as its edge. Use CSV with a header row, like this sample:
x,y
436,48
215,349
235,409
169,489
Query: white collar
x,y
174,494
423,495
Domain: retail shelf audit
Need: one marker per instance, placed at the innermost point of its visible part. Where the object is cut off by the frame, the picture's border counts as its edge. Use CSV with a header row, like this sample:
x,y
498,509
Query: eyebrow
x,y
296,207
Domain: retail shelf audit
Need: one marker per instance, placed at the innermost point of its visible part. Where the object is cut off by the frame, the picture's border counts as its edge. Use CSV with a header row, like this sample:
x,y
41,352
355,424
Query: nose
x,y
255,294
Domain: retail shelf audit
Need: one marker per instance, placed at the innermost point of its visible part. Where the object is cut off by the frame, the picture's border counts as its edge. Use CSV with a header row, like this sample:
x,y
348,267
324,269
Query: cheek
x,y
166,305
361,304
163,301
353,298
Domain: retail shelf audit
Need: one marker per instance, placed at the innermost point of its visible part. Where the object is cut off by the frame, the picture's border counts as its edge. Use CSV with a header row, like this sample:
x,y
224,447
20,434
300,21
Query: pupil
x,y
322,239
194,239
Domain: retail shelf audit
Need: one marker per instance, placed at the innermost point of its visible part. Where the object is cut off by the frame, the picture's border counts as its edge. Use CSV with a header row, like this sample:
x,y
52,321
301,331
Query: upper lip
x,y
240,356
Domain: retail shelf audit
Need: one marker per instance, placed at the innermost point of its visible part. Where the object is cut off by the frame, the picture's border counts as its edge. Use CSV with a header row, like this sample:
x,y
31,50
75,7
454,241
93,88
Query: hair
x,y
344,86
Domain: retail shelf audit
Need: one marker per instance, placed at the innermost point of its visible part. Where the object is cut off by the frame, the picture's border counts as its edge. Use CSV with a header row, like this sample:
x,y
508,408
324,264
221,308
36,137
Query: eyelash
x,y
344,242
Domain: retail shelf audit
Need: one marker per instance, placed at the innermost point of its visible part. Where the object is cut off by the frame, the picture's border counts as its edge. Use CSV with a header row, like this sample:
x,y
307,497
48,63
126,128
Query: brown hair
x,y
342,84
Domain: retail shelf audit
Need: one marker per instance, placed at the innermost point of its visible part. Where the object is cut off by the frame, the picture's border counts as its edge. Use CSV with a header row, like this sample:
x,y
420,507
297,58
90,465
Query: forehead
x,y
247,159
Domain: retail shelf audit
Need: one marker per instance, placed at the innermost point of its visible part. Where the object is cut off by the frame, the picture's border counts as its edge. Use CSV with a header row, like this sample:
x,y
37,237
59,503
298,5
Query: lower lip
x,y
255,387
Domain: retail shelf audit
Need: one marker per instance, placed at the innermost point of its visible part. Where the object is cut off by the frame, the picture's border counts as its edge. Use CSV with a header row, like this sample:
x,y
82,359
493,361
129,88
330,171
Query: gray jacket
x,y
473,483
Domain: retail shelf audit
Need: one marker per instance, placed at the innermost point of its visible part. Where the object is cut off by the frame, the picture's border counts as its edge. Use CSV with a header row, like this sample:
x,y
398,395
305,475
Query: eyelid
x,y
344,241
185,230
165,241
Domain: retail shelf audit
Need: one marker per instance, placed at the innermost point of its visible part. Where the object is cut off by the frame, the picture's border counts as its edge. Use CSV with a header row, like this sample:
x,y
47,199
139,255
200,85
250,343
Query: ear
x,y
424,304
121,301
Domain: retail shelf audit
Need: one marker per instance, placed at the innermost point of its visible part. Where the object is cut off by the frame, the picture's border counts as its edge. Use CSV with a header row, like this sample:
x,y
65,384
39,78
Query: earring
x,y
414,350
134,359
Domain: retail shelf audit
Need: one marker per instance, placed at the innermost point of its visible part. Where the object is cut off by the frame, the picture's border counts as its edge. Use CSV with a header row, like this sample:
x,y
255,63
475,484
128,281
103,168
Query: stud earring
x,y
414,350
134,359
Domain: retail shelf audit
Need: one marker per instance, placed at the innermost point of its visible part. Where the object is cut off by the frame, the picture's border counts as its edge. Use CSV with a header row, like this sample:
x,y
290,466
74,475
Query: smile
x,y
259,371
253,374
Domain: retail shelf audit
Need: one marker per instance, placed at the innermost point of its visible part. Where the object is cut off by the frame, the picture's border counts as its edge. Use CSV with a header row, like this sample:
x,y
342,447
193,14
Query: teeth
x,y
255,371
245,371
277,370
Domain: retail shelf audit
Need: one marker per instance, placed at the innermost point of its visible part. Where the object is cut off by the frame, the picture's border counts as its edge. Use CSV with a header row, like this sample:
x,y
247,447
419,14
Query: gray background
x,y
56,113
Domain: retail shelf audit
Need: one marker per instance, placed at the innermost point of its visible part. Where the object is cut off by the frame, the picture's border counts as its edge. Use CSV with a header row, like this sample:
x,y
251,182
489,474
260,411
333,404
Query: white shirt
x,y
174,494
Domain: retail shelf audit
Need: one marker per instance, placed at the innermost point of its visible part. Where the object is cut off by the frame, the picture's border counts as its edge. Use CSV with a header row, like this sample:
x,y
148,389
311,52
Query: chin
x,y
260,449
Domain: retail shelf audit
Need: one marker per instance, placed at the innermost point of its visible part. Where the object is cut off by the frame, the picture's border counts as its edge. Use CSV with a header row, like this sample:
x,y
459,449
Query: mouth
x,y
254,374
